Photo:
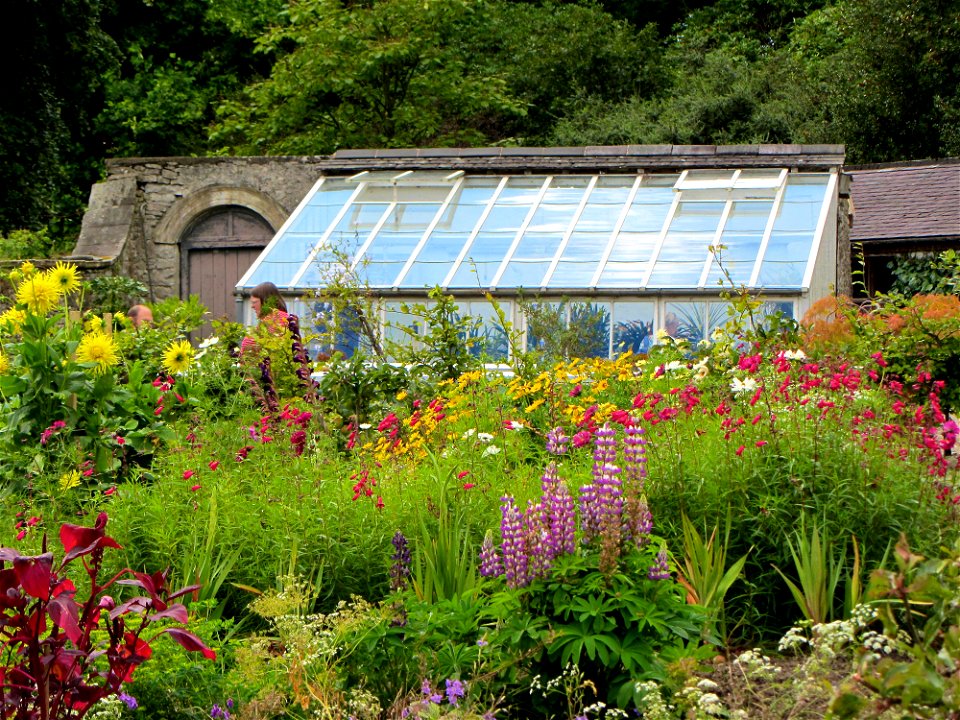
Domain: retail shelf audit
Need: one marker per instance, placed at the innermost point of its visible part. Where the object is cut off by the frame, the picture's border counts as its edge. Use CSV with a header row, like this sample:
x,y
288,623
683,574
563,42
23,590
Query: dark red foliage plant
x,y
62,650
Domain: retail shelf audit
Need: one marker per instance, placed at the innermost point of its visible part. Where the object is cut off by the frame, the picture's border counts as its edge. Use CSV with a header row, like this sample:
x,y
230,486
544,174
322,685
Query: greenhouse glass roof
x,y
411,230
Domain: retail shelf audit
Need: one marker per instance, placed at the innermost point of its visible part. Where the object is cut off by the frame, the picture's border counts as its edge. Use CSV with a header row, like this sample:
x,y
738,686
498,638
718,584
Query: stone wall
x,y
137,215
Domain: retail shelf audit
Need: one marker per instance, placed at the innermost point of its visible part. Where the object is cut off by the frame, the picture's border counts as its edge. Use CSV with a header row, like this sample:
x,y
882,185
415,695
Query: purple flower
x,y
490,563
400,569
455,691
219,713
561,518
660,570
557,441
515,559
129,700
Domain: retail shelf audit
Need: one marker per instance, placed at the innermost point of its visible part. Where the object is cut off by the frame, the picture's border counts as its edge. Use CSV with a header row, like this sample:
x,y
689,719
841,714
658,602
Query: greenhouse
x,y
623,253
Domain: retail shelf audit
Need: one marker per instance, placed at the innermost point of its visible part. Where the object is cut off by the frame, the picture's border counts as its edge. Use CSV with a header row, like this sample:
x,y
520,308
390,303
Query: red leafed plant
x,y
54,660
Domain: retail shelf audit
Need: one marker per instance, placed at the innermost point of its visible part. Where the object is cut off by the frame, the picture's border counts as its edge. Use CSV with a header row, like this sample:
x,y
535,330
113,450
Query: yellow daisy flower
x,y
94,323
178,356
39,293
13,320
65,276
69,480
98,348
27,268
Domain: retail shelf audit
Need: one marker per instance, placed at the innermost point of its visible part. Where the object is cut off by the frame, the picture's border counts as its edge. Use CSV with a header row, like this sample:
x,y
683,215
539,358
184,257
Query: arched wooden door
x,y
215,252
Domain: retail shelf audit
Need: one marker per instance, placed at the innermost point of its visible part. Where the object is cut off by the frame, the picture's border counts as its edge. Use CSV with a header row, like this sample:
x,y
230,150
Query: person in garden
x,y
140,316
271,311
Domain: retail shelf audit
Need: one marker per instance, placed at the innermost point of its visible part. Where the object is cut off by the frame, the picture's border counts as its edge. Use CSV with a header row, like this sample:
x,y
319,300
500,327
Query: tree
x,y
49,148
383,73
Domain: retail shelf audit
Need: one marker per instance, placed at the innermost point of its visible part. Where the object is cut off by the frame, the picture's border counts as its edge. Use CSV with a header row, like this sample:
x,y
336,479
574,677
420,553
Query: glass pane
x,y
280,274
686,245
401,328
633,326
435,260
490,338
623,274
573,275
585,247
484,258
552,219
592,321
354,228
685,320
319,213
740,243
793,231
548,312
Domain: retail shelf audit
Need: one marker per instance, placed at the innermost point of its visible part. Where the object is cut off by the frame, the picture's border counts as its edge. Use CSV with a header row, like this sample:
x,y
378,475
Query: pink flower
x,y
33,521
468,486
761,443
188,474
110,490
88,472
21,535
214,464
462,475
740,450
120,440
194,488
379,503
577,389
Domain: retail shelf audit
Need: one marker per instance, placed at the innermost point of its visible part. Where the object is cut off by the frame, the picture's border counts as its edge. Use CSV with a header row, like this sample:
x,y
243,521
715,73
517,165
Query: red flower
x,y
468,486
110,490
194,488
463,474
740,450
761,443
120,440
214,464
379,503
188,474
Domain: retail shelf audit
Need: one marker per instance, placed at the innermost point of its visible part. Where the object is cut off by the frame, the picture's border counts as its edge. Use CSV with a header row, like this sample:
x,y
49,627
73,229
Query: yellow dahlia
x,y
65,276
178,356
69,480
39,293
27,268
13,320
93,323
98,348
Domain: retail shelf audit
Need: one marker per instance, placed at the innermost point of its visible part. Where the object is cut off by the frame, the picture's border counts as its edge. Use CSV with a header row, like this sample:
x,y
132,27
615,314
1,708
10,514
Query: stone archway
x,y
218,231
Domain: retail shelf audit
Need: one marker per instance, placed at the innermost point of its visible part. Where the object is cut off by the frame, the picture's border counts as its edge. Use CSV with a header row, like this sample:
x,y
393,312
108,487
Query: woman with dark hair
x,y
271,310
265,299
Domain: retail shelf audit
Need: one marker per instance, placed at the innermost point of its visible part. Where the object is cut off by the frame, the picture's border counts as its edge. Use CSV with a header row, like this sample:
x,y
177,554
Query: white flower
x,y
209,342
740,387
673,366
468,434
365,426
490,450
484,437
795,355
514,425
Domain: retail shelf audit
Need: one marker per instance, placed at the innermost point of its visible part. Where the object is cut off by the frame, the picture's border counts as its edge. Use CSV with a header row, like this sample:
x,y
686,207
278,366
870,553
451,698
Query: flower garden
x,y
189,532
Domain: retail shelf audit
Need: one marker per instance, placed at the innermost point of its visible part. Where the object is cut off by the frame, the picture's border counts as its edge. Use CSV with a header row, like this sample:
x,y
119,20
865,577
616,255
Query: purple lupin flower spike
x,y
490,563
660,570
634,456
557,441
513,545
400,569
536,533
561,518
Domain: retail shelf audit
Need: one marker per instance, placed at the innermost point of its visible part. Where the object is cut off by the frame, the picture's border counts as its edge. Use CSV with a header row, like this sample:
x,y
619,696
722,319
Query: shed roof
x,y
904,201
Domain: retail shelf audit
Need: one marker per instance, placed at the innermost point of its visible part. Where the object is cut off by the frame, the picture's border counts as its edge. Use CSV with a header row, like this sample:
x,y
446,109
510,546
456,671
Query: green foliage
x,y
116,293
444,346
926,274
26,244
913,668
563,330
357,389
705,574
367,75
818,570
445,557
